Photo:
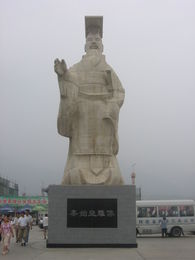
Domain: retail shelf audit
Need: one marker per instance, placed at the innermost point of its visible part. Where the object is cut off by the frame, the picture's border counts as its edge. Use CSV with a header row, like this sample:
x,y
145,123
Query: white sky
x,y
151,46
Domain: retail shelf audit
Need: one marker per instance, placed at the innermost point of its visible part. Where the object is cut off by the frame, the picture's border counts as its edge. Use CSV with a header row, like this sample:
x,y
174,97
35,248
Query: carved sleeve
x,y
67,108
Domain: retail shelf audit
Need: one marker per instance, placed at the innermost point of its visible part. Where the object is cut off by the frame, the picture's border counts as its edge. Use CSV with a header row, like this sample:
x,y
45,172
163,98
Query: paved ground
x,y
149,248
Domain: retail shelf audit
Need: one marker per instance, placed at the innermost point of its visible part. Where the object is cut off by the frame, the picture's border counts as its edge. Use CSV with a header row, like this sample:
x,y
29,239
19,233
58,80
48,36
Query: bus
x,y
179,214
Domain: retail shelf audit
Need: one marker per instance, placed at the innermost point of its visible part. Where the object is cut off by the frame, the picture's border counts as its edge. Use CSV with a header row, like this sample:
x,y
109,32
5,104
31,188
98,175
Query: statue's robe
x,y
91,97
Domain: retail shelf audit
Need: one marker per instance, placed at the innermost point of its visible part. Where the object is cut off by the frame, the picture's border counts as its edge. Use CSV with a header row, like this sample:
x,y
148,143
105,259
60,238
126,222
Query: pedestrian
x,y
45,225
22,225
7,233
16,227
163,225
29,220
1,219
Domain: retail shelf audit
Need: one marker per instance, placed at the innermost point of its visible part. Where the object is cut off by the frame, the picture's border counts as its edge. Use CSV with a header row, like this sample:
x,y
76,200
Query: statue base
x,y
92,216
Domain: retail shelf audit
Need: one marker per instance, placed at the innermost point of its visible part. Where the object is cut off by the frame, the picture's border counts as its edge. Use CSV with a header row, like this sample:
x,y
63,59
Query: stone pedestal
x,y
92,216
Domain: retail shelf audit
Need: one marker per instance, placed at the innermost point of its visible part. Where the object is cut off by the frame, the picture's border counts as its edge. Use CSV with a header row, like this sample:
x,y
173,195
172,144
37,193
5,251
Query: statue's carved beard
x,y
93,56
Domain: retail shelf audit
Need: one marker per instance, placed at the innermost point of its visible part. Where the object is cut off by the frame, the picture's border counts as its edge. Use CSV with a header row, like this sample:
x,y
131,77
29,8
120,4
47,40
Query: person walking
x,y
1,219
22,224
16,227
163,225
7,233
45,225
29,220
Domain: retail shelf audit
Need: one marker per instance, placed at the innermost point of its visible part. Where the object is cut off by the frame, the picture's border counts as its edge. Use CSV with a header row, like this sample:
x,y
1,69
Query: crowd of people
x,y
19,227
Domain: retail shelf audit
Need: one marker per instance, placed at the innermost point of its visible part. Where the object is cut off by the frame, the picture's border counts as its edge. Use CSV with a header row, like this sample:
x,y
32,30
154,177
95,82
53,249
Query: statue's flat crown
x,y
94,23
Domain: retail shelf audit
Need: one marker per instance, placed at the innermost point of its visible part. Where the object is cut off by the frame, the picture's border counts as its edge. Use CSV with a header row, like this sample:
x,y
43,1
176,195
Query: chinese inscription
x,y
94,213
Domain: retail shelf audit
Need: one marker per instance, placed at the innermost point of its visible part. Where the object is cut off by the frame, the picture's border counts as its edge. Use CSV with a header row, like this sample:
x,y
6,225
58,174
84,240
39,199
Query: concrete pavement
x,y
149,248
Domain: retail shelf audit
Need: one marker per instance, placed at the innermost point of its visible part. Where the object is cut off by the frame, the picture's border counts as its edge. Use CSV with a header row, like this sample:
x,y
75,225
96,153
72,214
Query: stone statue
x,y
90,99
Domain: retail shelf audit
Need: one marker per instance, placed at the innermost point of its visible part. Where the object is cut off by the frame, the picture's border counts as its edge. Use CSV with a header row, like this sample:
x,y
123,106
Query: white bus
x,y
180,215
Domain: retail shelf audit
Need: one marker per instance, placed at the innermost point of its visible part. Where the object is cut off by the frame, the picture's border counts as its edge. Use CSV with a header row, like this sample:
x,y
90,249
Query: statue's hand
x,y
60,67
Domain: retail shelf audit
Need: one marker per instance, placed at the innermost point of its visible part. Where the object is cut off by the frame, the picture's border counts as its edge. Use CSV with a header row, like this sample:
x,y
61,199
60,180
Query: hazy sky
x,y
151,46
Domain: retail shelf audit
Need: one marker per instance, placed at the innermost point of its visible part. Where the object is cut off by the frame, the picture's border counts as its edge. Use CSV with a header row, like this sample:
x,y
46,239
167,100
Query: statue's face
x,y
93,42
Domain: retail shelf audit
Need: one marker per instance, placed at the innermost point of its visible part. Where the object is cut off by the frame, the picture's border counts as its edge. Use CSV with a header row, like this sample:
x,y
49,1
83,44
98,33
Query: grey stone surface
x,y
58,232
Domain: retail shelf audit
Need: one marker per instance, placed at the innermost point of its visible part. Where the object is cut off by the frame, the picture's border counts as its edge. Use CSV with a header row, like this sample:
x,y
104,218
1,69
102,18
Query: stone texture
x,y
90,99
123,235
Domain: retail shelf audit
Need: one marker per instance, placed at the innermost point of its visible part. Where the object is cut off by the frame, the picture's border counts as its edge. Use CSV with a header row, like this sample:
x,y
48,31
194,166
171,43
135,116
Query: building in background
x,y
8,188
138,193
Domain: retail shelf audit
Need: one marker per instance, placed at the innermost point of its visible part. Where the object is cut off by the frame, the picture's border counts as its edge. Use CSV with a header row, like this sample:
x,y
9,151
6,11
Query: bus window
x,y
146,212
186,211
168,211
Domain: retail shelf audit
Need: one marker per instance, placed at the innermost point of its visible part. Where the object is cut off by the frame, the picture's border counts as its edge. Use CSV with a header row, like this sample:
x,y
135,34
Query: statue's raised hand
x,y
60,67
